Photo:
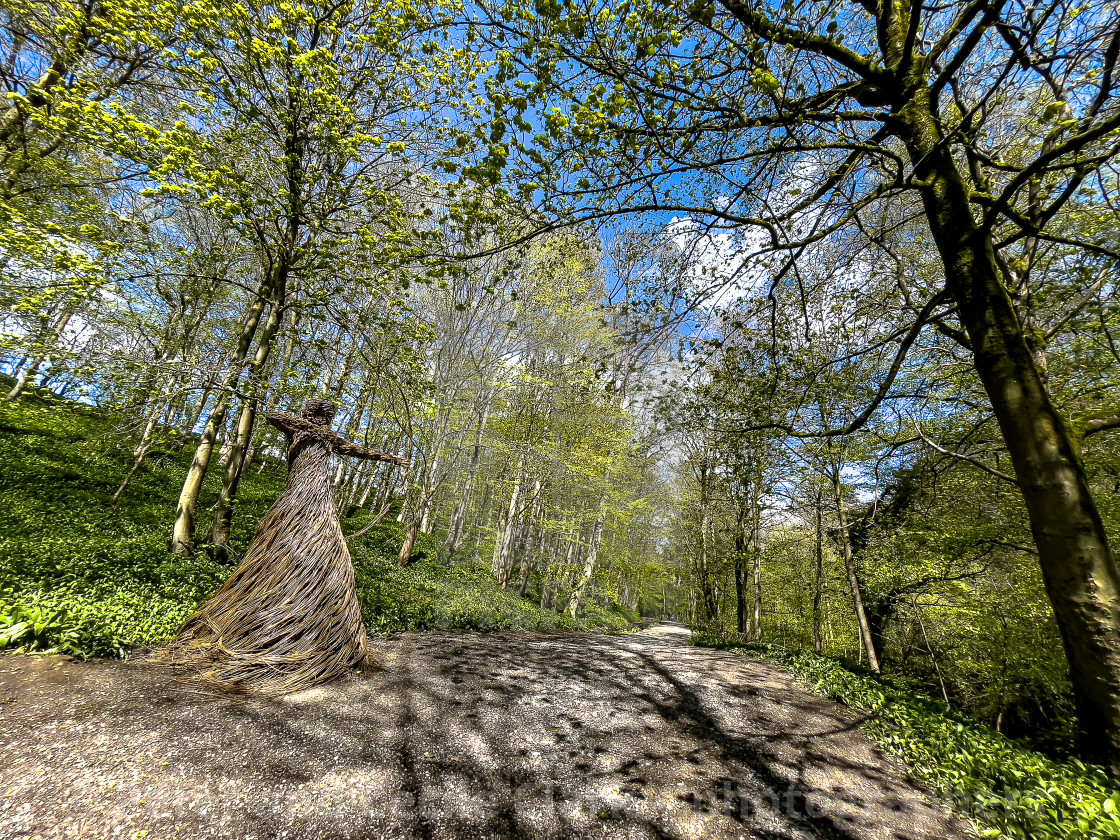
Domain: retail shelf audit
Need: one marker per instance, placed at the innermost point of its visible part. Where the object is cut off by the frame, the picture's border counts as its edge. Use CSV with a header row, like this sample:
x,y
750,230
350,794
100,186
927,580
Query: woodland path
x,y
461,735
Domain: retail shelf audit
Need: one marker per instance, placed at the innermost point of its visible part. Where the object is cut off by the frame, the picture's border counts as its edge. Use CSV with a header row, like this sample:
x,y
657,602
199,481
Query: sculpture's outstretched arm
x,y
290,424
345,447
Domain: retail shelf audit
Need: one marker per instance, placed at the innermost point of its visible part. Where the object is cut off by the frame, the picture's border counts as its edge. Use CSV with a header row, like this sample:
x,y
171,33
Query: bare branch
x,y
923,318
976,462
766,29
1090,293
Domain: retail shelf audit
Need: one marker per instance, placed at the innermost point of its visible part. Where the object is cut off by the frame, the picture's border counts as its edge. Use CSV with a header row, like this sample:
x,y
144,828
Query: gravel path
x,y
461,735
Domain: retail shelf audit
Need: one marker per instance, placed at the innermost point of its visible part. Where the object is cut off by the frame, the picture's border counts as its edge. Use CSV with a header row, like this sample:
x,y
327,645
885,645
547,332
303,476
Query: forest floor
x,y
513,734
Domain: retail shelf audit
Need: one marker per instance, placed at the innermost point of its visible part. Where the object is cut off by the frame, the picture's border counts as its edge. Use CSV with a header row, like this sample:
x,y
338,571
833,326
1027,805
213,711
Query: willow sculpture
x,y
288,617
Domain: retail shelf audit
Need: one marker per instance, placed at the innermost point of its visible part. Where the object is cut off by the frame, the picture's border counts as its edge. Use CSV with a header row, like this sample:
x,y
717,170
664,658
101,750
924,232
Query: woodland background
x,y
626,391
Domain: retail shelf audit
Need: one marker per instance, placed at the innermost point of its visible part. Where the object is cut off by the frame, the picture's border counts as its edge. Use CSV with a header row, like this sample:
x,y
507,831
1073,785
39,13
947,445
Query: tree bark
x,y
592,556
405,555
850,567
756,616
182,534
222,523
740,576
507,525
710,604
818,583
1078,567
527,555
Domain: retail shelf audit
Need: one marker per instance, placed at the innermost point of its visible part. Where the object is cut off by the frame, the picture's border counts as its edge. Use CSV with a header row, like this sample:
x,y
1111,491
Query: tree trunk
x,y
141,450
741,544
818,584
432,481
756,550
850,567
527,555
1078,568
507,527
710,604
182,534
223,511
426,511
455,533
235,464
29,372
405,555
592,556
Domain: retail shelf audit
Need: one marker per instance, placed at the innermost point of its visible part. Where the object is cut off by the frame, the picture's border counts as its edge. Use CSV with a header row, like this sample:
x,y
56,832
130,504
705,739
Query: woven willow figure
x,y
288,617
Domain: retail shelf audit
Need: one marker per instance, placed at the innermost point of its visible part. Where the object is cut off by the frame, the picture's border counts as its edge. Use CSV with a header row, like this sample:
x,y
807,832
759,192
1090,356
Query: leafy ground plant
x,y
1006,789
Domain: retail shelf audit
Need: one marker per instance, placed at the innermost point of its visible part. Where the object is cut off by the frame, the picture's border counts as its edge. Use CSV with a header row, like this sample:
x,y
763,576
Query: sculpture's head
x,y
319,412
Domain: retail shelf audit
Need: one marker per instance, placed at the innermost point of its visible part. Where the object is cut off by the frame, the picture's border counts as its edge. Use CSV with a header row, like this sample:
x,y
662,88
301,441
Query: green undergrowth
x,y
81,576
1006,789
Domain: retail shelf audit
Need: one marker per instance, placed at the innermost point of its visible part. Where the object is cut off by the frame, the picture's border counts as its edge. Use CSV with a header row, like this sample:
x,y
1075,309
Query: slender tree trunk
x,y
222,523
706,588
405,555
455,534
560,575
592,556
507,524
818,583
29,372
1078,567
141,450
425,513
527,555
756,617
850,567
932,656
741,543
182,535
431,479
423,498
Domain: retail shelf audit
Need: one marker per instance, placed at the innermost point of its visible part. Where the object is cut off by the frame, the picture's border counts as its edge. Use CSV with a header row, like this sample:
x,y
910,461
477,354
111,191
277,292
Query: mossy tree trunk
x,y
1078,567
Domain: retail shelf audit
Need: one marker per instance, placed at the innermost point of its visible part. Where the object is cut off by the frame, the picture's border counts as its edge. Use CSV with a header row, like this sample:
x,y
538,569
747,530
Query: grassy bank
x,y
83,576
1006,789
